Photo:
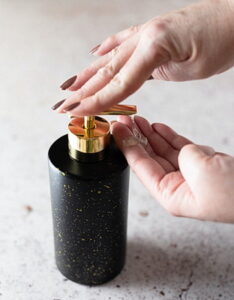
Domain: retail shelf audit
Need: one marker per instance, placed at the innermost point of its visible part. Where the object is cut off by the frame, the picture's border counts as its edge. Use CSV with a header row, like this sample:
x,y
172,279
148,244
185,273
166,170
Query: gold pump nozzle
x,y
91,134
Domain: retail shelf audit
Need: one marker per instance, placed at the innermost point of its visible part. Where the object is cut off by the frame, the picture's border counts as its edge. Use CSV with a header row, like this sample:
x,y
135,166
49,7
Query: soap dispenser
x,y
89,180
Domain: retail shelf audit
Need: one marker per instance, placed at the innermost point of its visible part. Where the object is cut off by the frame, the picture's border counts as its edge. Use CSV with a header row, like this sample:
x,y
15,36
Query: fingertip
x,y
123,136
61,110
68,83
122,118
97,54
73,88
120,129
127,120
101,50
80,81
139,120
160,127
138,117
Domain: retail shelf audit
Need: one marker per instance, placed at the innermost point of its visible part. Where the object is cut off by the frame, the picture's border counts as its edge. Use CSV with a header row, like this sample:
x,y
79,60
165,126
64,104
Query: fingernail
x,y
58,104
94,49
71,107
150,78
68,83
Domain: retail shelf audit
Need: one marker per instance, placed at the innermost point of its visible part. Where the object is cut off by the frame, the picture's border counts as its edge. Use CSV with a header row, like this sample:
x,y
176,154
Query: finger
x,y
88,72
143,139
115,40
126,120
208,150
159,145
102,76
191,161
148,170
142,127
129,122
175,140
170,189
133,74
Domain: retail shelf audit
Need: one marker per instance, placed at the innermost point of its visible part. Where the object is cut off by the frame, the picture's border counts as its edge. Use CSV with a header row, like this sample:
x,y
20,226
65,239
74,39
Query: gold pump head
x,y
91,134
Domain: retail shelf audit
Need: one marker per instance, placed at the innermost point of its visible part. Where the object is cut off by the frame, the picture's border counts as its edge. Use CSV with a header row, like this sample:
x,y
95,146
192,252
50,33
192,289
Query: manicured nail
x,y
68,83
71,107
58,104
150,78
94,49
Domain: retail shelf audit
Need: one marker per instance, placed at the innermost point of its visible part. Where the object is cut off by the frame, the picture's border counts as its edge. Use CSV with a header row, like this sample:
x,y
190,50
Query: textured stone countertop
x,y
41,44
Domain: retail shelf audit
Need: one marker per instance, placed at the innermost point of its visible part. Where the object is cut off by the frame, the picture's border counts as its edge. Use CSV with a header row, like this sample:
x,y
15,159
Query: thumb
x,y
191,161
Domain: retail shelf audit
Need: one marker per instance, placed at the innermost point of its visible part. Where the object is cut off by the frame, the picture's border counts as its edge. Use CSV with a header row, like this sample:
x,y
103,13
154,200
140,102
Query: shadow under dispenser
x,y
89,183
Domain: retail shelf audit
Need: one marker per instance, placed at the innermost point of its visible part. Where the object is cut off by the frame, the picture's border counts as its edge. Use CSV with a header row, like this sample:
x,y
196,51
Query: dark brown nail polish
x,y
94,49
68,83
71,107
58,104
150,78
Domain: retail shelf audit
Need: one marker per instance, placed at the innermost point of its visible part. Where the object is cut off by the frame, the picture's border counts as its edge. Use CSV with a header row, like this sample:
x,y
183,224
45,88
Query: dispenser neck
x,y
88,136
89,122
89,126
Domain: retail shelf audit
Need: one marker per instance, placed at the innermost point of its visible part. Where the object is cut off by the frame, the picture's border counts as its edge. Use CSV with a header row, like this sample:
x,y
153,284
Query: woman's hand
x,y
192,43
187,179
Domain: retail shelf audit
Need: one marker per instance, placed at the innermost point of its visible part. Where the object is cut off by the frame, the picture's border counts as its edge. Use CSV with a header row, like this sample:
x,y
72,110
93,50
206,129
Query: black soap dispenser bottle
x,y
89,179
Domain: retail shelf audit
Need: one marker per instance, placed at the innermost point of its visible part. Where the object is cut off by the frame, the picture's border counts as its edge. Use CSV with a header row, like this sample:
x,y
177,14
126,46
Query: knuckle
x,y
113,52
157,27
89,70
134,28
111,39
118,82
107,72
156,36
96,102
82,92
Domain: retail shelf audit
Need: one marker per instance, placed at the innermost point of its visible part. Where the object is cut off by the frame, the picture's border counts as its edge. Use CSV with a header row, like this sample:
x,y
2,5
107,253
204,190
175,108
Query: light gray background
x,y
42,43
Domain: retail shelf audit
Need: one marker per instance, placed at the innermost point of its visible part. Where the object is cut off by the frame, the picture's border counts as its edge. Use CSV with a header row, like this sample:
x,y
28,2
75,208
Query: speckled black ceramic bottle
x,y
89,193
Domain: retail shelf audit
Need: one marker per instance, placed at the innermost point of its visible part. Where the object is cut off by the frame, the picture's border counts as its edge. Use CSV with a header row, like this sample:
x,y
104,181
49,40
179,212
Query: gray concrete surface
x,y
41,44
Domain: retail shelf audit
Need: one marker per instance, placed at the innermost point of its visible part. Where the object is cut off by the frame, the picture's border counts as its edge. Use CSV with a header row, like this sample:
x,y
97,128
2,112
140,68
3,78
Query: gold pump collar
x,y
91,134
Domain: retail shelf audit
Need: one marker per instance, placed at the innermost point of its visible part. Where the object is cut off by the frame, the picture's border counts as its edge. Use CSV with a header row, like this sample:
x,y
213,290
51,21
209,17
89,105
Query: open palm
x,y
188,180
155,162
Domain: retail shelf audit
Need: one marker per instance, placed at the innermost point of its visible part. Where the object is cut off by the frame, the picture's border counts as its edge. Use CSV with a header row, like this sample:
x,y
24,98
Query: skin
x,y
192,43
188,180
